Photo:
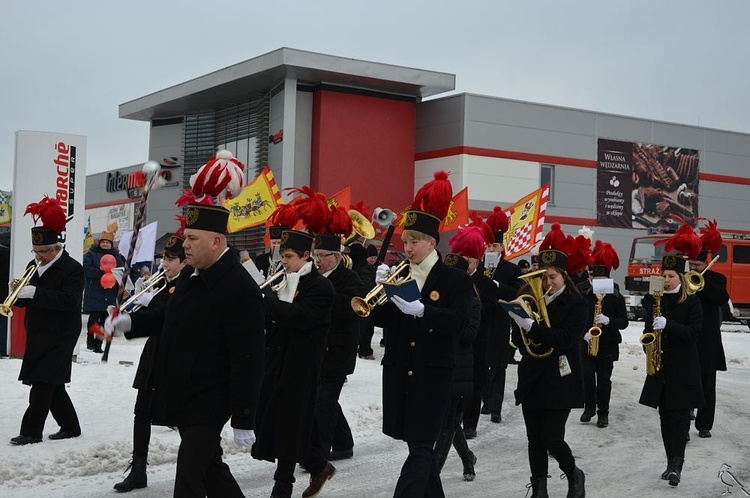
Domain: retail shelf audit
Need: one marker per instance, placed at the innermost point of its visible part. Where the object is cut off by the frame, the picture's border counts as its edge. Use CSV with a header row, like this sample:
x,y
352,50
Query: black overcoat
x,y
97,298
678,384
420,355
713,297
295,340
498,343
463,377
540,383
340,355
613,306
209,360
53,322
489,322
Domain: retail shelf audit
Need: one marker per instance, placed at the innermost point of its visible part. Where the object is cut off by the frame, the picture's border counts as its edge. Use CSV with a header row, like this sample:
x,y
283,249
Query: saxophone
x,y
651,342
595,331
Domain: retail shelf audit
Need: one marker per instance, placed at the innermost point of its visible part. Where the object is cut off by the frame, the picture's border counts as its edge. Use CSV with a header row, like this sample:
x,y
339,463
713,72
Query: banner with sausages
x,y
639,185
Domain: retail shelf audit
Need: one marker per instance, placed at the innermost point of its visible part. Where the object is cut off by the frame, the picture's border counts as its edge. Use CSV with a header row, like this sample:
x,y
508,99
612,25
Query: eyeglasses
x,y
321,256
42,251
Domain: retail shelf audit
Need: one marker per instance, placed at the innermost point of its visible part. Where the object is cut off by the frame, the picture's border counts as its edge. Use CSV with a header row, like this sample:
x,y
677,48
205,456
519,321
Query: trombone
x,y
535,306
362,306
156,283
17,285
695,281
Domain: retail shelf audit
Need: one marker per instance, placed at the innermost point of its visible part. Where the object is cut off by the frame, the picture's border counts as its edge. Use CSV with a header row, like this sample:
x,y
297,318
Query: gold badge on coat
x,y
434,295
171,290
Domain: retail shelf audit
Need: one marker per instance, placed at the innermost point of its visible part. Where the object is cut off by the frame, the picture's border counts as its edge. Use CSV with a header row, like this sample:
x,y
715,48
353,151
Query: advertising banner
x,y
640,185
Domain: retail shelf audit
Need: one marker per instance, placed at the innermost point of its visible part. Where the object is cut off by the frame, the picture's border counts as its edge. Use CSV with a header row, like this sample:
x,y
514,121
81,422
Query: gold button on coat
x,y
409,373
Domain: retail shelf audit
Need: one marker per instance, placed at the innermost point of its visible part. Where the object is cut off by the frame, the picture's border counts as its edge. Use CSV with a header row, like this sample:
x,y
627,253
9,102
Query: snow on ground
x,y
625,459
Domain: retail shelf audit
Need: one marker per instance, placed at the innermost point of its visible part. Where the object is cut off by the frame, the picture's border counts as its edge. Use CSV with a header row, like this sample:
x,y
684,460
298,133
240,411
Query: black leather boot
x,y
442,447
137,477
538,487
467,456
665,474
674,475
576,480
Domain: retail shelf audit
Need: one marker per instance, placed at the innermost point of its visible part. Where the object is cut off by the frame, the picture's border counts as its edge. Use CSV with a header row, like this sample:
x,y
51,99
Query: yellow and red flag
x,y
255,203
458,213
526,223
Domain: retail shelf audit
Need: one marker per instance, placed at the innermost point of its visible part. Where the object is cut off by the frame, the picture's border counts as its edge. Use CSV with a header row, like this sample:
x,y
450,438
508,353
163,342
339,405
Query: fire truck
x,y
733,263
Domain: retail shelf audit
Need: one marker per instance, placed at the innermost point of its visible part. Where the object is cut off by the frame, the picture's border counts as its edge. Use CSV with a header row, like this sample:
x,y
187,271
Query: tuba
x,y
16,285
695,281
362,306
361,228
651,341
595,331
536,307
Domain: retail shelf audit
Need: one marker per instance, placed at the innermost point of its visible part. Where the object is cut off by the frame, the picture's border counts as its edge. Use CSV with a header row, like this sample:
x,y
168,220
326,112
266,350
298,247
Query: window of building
x,y
547,174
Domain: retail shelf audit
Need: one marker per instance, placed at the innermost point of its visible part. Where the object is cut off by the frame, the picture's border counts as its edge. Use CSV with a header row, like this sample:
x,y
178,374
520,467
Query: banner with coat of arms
x,y
255,203
526,223
5,206
458,213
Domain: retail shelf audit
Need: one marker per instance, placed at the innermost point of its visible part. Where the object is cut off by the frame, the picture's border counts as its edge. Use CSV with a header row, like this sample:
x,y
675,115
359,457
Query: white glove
x,y
602,319
496,283
244,437
587,337
382,273
116,327
524,323
117,272
145,298
414,308
27,292
659,323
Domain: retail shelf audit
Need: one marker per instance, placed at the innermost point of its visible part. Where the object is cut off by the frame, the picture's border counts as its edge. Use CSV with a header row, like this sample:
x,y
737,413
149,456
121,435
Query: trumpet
x,y
17,285
595,331
362,306
651,342
155,284
273,278
695,281
536,307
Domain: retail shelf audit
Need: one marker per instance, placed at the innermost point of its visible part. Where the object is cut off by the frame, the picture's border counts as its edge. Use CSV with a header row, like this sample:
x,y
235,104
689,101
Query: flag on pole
x,y
255,203
526,223
88,236
145,246
5,206
458,213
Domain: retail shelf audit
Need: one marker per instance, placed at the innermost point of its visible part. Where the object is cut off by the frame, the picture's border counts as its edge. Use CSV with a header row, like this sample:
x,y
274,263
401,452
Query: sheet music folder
x,y
408,291
514,308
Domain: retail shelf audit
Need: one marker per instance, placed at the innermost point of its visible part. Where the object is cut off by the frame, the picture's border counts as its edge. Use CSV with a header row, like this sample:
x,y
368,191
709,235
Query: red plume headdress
x,y
222,172
685,240
478,221
469,241
499,222
430,206
710,236
50,212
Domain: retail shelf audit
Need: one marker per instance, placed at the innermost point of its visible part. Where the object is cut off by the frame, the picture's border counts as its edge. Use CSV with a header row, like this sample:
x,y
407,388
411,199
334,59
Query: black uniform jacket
x,y
53,322
340,355
488,323
540,383
209,360
420,355
713,296
143,376
463,377
613,306
295,340
498,348
678,384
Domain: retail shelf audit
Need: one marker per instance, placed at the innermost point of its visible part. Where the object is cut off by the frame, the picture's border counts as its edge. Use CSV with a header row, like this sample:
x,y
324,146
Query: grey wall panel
x,y
728,142
720,163
534,141
618,128
677,136
439,124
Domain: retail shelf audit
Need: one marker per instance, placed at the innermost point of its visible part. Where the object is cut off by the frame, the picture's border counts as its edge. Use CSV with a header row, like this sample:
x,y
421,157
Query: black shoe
x,y
603,420
586,415
692,414
137,478
341,454
704,433
485,411
98,350
496,418
470,433
62,435
469,473
538,486
318,481
674,476
21,440
576,483
665,474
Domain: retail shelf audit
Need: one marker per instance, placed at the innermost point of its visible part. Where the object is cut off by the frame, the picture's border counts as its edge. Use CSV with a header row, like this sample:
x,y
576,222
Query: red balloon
x,y
107,262
108,280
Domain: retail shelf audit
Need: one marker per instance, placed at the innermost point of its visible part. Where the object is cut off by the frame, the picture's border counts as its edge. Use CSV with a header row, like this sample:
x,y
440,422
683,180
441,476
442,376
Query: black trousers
x,y
142,422
284,478
420,477
201,472
675,425
495,389
473,404
366,331
597,381
45,399
330,427
94,341
545,431
704,417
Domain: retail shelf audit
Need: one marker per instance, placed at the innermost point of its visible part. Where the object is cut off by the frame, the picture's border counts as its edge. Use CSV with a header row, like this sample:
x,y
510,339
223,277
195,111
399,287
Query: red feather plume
x,y
183,222
498,220
478,221
285,215
468,241
50,212
340,223
605,255
362,209
579,253
188,197
313,209
435,196
222,171
685,241
555,239
710,237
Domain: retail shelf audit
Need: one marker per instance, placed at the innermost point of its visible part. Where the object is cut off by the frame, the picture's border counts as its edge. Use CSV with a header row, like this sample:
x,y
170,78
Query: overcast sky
x,y
66,66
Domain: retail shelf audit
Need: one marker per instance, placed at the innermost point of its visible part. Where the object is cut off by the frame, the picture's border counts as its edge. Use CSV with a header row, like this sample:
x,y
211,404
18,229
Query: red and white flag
x,y
526,223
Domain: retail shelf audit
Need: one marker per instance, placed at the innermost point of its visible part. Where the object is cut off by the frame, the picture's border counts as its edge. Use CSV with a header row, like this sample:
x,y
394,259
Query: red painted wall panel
x,y
374,134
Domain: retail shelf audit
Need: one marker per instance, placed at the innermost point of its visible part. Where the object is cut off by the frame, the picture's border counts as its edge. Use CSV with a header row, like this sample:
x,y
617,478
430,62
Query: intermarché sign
x,y
131,182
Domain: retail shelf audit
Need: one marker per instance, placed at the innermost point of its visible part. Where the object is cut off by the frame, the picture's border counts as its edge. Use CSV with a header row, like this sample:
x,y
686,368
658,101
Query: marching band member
x,y
713,297
597,369
298,316
173,260
52,298
551,384
676,388
420,353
